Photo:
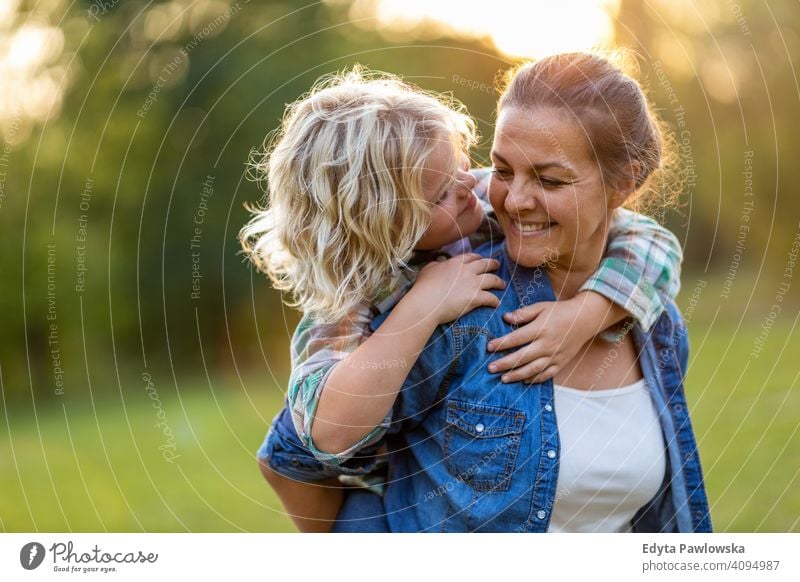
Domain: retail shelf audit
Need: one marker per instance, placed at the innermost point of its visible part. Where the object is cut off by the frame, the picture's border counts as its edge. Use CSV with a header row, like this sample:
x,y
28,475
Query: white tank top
x,y
612,457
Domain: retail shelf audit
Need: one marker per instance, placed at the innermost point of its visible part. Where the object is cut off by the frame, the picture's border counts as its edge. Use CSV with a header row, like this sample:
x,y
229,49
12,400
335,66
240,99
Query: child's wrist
x,y
417,306
598,312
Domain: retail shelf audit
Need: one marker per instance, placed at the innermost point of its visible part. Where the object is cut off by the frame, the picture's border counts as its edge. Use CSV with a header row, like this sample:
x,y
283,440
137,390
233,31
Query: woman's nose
x,y
520,199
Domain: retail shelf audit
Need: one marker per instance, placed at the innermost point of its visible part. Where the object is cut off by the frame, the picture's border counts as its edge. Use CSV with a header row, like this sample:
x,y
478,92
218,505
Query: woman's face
x,y
548,190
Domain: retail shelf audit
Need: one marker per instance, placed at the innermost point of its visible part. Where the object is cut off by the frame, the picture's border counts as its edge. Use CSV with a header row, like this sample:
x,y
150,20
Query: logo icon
x,y
31,555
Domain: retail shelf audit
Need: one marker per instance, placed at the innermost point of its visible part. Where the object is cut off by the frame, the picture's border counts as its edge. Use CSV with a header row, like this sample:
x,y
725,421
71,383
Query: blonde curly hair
x,y
343,175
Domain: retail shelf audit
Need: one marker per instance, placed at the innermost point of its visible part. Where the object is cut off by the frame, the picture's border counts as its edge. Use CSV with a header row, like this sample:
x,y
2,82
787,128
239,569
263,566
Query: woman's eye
x,y
502,173
551,182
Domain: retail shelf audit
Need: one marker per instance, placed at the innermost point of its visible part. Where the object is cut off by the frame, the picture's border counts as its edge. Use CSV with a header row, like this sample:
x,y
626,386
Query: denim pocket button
x,y
481,442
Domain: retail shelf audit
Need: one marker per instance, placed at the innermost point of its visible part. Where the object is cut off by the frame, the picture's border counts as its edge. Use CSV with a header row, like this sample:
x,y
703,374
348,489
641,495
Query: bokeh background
x,y
141,360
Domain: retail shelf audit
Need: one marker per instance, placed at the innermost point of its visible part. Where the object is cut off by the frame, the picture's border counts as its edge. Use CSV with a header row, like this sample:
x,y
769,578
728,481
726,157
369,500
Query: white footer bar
x,y
396,557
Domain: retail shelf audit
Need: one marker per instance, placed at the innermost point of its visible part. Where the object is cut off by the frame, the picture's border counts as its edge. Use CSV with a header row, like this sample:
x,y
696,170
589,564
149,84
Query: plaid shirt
x,y
642,264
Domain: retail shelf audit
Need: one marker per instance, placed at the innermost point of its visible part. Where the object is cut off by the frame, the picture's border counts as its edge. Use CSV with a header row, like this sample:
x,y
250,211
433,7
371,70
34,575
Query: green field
x,y
746,415
84,468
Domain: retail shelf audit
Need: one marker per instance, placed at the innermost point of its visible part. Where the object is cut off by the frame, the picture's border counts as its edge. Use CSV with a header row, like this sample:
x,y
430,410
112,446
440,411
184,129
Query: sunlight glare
x,y
521,29
34,45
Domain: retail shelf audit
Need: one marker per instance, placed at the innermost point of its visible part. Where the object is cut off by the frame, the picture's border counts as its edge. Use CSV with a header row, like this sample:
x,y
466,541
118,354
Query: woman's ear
x,y
625,187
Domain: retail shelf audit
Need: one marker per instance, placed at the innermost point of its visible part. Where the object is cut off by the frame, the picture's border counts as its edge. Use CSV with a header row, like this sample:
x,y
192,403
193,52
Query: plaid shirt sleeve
x,y
316,349
641,266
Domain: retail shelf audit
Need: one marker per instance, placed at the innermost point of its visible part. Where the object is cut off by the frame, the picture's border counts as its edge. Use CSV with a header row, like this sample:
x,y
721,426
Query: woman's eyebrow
x,y
539,168
498,157
535,167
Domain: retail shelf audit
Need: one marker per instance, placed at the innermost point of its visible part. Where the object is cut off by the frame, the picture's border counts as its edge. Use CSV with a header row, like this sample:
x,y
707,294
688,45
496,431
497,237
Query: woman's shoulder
x,y
671,321
670,337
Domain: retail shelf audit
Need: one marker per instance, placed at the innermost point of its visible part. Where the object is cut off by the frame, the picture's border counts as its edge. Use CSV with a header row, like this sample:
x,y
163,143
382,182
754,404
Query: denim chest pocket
x,y
481,443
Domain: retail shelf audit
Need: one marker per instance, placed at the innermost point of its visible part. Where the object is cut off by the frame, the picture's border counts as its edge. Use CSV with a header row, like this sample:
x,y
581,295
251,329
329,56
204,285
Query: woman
x,y
607,445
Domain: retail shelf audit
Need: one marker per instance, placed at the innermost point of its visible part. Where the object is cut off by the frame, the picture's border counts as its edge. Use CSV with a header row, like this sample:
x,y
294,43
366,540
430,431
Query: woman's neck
x,y
569,272
567,282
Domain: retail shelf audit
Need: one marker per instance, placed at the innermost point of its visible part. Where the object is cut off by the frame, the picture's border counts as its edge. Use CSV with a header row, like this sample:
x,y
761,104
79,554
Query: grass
x,y
79,467
745,416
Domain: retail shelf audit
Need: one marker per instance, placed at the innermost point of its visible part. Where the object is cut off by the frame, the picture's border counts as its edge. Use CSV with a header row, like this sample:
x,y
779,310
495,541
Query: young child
x,y
368,186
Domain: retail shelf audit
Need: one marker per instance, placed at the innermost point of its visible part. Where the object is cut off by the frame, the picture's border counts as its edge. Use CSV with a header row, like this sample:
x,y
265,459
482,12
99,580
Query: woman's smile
x,y
531,229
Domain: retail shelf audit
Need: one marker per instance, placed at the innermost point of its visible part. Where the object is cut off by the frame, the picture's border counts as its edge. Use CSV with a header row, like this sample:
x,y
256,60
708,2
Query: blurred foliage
x,y
123,123
149,115
155,98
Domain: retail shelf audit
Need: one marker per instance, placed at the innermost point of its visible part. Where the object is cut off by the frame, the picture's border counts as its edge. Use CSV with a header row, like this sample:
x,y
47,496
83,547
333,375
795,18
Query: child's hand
x,y
456,286
554,333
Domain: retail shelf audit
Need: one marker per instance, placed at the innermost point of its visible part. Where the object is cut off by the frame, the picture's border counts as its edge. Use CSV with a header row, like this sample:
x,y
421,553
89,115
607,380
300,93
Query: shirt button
x,y
548,408
479,427
541,514
551,454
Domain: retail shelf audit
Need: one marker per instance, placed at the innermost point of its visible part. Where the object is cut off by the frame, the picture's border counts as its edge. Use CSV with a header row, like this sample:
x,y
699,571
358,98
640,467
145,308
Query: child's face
x,y
455,210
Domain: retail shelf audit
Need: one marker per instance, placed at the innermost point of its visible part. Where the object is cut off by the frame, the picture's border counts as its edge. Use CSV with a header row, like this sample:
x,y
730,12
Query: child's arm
x,y
641,265
354,408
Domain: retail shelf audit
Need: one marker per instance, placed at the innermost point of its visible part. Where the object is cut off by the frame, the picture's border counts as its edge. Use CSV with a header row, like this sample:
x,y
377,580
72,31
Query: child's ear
x,y
625,187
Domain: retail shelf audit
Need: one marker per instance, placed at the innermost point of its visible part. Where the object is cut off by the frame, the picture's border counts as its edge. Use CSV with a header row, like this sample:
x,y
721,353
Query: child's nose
x,y
471,181
467,181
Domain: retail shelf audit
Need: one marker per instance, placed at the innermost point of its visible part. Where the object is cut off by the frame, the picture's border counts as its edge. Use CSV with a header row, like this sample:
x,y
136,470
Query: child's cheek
x,y
436,224
454,213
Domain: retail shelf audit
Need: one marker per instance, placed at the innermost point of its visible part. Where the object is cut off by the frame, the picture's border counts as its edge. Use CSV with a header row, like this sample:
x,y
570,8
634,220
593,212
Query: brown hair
x,y
611,106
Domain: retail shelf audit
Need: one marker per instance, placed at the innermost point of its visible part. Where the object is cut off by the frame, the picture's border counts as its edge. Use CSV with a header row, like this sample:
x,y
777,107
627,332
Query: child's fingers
x,y
521,357
547,374
486,299
485,265
516,338
489,281
526,372
526,313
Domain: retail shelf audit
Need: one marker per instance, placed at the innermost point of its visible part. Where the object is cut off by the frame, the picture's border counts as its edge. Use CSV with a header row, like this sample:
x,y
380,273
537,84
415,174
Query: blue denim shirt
x,y
468,453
